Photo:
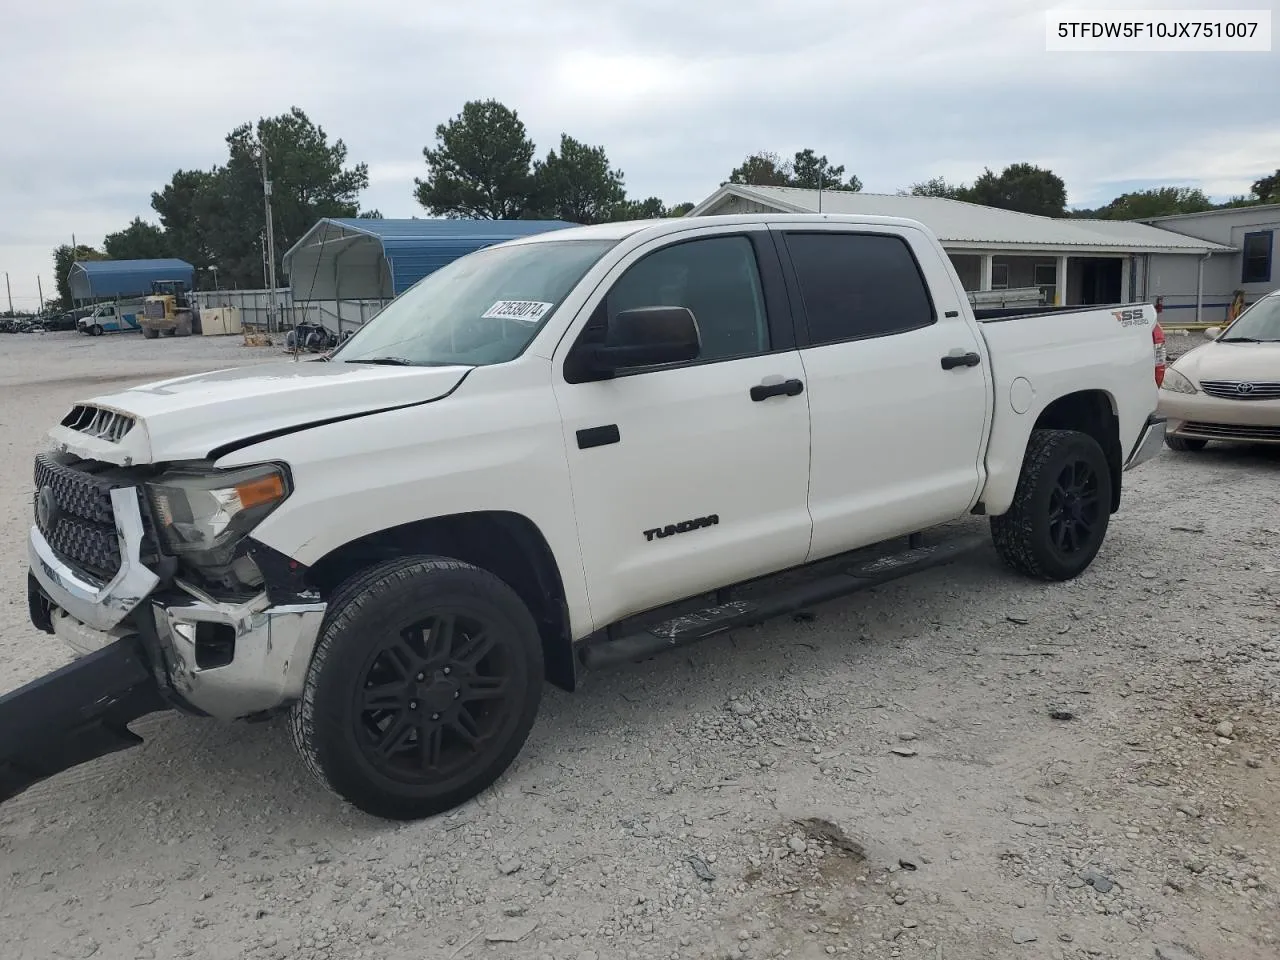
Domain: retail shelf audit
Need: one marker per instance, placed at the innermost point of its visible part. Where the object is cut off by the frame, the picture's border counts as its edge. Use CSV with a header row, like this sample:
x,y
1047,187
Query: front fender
x,y
494,445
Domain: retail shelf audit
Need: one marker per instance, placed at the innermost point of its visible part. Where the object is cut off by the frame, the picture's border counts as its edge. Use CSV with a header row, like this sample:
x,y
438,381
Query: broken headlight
x,y
201,516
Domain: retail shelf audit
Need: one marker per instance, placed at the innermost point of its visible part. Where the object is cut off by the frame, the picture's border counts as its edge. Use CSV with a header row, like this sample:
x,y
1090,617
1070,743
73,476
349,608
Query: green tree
x,y
811,172
806,169
762,170
310,180
179,206
138,241
1267,189
480,166
577,184
1022,187
63,258
1154,202
651,208
937,187
374,214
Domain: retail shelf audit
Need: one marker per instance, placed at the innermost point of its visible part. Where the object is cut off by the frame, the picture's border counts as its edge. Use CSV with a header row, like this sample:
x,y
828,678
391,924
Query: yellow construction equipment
x,y
167,311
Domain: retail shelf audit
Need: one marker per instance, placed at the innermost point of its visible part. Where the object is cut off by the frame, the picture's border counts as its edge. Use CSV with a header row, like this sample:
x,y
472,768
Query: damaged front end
x,y
149,576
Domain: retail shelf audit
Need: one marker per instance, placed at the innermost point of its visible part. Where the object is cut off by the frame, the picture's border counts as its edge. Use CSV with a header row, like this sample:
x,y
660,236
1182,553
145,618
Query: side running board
x,y
684,630
75,714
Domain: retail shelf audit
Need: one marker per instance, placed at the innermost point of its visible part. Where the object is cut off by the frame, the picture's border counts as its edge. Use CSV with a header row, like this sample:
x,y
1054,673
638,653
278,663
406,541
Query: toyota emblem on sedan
x,y
1244,388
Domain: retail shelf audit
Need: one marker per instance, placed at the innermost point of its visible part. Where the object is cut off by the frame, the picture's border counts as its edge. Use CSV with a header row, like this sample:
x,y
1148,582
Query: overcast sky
x,y
101,101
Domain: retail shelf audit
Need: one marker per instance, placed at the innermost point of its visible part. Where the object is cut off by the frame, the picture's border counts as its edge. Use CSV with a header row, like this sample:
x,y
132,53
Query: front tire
x,y
423,689
1185,444
1061,508
96,330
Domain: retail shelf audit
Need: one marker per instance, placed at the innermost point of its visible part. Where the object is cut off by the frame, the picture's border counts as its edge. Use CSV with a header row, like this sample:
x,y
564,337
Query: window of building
x,y
999,276
857,285
1256,261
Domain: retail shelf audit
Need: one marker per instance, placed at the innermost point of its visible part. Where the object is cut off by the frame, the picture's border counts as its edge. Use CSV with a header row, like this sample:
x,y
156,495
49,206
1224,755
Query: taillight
x,y
1161,357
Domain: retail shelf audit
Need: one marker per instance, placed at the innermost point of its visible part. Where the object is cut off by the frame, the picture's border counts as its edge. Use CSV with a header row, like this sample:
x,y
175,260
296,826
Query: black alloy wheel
x,y
433,697
1074,507
424,685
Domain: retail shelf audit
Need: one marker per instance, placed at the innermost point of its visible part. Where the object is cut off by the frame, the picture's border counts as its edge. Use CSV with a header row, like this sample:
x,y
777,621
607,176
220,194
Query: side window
x,y
1255,264
858,285
716,278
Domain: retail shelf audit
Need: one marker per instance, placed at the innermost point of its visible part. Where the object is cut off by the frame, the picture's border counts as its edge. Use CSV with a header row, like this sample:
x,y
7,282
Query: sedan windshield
x,y
1259,324
481,309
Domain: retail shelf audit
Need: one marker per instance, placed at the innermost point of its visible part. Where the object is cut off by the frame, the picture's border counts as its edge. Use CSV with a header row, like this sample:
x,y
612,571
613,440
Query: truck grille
x,y
98,422
1242,389
1230,431
76,516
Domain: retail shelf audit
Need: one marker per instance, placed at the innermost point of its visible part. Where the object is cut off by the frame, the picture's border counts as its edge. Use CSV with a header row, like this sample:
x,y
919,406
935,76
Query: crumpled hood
x,y
1231,361
188,417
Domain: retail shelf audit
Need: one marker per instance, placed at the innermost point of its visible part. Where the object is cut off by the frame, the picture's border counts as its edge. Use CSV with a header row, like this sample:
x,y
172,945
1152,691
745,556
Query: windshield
x,y
481,309
1261,322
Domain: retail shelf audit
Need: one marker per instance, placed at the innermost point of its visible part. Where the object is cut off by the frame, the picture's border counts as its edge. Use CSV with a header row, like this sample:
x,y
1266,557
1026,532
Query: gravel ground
x,y
961,765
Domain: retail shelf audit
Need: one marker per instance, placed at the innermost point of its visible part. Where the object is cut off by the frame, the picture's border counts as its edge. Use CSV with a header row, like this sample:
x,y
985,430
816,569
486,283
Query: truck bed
x,y
989,314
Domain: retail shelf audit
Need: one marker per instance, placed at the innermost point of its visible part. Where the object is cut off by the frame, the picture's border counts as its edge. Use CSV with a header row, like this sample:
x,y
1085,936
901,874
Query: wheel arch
x,y
1093,412
509,545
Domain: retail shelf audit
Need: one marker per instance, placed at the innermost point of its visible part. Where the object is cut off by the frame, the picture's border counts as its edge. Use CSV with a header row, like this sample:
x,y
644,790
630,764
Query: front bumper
x,y
1150,442
1198,416
226,660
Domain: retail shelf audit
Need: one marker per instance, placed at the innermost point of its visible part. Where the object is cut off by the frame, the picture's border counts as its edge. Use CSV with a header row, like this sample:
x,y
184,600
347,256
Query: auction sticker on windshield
x,y
531,311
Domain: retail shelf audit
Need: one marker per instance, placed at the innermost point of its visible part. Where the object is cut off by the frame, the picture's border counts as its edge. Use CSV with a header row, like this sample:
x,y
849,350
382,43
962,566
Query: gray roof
x,y
960,224
1217,212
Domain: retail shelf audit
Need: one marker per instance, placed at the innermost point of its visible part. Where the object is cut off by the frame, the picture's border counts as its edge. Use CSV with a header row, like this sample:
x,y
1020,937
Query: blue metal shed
x,y
95,279
355,259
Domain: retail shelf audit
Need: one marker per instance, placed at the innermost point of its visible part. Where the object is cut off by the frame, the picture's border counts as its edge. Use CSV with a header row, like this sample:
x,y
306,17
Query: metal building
x,y
356,259
106,279
1073,261
1245,270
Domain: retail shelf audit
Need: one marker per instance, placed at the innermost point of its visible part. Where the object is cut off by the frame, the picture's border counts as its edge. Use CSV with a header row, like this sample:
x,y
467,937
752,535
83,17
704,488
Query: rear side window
x,y
858,285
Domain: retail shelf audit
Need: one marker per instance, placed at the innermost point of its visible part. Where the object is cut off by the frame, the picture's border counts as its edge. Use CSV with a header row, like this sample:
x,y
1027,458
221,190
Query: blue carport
x,y
108,279
358,259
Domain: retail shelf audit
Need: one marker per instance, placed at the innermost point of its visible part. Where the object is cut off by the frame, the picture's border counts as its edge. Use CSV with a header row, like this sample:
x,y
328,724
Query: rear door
x,y
897,380
690,476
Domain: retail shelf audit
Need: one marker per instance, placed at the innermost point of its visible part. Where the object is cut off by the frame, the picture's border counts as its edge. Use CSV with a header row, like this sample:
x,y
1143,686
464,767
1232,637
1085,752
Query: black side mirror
x,y
644,337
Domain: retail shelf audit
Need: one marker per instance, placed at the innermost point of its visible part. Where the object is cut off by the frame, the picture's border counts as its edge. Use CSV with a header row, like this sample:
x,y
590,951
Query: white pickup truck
x,y
561,452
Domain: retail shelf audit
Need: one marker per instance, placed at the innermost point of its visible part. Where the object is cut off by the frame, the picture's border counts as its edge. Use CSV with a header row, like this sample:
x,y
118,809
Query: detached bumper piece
x,y
1150,442
76,714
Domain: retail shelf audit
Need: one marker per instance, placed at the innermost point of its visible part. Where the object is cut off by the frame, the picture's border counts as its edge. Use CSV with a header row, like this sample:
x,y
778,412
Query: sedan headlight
x,y
1176,382
202,516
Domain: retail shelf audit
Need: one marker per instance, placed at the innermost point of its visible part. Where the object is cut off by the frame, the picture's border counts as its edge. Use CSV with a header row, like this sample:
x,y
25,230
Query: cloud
x,y
100,106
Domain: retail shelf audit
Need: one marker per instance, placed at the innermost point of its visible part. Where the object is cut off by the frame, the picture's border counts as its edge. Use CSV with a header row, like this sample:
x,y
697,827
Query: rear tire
x,y
1061,508
1185,444
423,689
150,333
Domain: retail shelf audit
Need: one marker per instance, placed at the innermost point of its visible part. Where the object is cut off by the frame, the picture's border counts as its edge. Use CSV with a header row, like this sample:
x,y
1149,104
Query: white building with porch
x,y
1074,262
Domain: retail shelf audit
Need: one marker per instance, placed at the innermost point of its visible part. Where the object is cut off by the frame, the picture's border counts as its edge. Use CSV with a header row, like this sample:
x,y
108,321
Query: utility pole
x,y
8,291
40,290
271,240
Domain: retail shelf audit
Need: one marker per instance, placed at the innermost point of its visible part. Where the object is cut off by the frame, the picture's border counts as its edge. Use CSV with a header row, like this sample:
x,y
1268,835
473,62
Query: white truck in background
x,y
565,451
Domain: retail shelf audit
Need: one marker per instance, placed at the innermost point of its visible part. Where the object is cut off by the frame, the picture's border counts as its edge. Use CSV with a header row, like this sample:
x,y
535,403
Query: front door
x,y
682,482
